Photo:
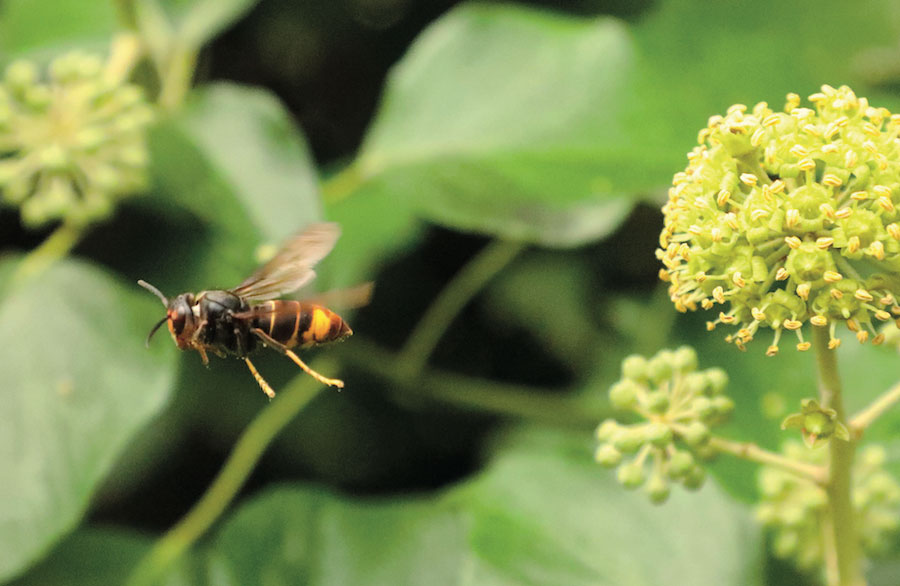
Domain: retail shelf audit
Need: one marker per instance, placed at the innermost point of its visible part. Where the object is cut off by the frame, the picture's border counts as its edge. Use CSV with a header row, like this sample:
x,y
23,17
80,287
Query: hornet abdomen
x,y
298,323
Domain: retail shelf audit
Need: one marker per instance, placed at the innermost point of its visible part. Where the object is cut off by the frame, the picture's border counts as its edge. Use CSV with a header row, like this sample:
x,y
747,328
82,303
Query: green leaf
x,y
52,26
97,556
235,161
78,384
491,124
542,513
197,21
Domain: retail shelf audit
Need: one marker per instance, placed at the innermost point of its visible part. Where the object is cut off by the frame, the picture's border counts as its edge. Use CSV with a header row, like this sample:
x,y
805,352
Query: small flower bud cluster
x,y
795,508
789,217
70,144
677,405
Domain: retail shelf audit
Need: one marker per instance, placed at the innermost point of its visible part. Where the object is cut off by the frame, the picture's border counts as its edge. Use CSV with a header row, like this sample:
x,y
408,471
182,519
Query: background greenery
x,y
508,161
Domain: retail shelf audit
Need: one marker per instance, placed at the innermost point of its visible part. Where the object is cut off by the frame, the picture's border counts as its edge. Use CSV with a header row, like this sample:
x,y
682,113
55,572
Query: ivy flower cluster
x,y
71,144
795,508
784,218
677,405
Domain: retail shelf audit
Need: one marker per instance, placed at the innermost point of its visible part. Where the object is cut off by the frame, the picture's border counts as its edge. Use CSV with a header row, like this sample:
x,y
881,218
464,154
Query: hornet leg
x,y
262,382
269,341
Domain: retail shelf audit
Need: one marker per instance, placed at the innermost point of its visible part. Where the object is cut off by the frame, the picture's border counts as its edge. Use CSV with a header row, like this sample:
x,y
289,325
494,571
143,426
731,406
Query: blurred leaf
x,y
49,27
533,126
491,123
234,159
542,513
197,21
96,556
67,415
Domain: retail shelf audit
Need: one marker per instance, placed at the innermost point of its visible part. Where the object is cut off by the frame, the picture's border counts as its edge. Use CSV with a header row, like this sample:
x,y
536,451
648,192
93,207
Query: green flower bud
x,y
658,434
607,429
723,406
696,434
607,456
717,378
661,366
658,489
631,475
694,478
685,359
628,440
634,367
680,463
624,394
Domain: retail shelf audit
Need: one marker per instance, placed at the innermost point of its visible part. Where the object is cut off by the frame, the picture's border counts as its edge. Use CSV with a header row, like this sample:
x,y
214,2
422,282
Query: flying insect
x,y
238,321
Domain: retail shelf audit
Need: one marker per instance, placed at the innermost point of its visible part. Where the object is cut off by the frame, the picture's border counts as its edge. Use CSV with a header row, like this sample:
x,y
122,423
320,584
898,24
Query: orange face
x,y
181,321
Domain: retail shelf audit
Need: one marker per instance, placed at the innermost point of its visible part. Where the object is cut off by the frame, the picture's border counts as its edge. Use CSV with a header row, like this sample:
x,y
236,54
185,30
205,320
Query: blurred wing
x,y
292,266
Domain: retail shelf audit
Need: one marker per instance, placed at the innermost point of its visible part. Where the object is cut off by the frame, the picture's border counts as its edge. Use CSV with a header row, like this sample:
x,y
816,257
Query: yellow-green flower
x,y
71,142
784,218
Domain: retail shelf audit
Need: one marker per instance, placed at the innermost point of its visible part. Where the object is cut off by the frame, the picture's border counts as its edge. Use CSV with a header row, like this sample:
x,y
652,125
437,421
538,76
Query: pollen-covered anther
x,y
859,195
836,294
833,343
792,218
843,213
824,242
664,275
882,315
804,346
758,314
807,164
793,242
781,274
731,221
722,197
700,276
853,244
863,295
832,276
757,137
803,290
878,340
758,213
749,179
792,324
876,249
819,320
893,230
715,234
870,146
832,180
812,130
870,129
706,303
719,294
828,210
799,151
888,299
851,159
862,336
772,350
770,120
710,326
852,325
695,230
886,203
738,280
882,190
725,318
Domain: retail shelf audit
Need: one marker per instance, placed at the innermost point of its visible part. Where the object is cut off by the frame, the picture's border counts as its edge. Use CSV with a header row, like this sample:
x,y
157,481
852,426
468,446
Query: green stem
x,y
754,453
440,314
465,392
862,420
841,525
56,246
177,78
241,462
341,184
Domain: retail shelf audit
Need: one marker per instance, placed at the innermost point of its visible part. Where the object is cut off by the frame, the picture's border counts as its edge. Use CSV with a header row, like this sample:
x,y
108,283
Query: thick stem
x,y
841,525
247,452
440,314
55,247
